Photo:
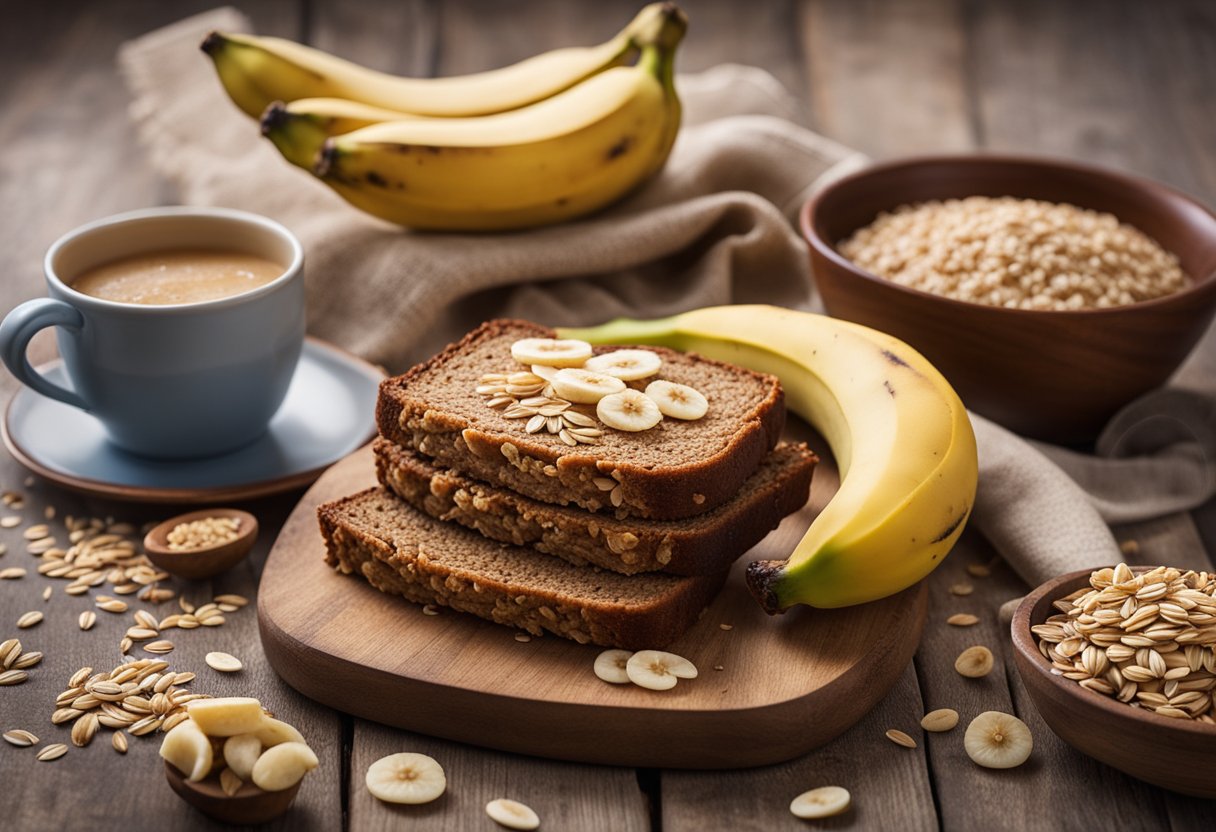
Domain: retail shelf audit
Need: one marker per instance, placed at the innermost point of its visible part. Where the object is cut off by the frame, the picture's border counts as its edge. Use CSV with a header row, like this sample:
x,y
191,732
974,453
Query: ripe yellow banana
x,y
560,158
257,71
900,435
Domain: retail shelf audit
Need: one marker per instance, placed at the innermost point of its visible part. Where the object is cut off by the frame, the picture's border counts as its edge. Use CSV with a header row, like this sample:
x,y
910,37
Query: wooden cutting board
x,y
770,688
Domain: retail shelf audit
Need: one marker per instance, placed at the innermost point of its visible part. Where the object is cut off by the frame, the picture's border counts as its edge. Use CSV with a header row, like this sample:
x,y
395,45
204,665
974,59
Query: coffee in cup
x,y
175,276
191,365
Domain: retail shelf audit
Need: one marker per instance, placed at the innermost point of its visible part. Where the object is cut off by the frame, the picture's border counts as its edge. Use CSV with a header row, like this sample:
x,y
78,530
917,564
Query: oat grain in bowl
x,y
1146,639
1016,253
204,533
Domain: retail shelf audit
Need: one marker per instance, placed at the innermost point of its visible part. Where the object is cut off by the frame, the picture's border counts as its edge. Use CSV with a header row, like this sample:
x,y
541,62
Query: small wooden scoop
x,y
206,562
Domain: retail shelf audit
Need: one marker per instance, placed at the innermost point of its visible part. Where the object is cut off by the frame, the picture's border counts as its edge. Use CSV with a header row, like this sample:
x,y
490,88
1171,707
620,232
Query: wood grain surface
x,y
1121,83
769,688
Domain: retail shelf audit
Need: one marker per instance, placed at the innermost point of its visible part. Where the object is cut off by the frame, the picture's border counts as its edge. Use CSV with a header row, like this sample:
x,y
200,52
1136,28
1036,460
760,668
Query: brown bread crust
x,y
706,544
477,441
403,552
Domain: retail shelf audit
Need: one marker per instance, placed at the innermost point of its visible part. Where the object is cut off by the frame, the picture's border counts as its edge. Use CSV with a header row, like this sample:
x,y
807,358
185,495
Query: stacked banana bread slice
x,y
499,497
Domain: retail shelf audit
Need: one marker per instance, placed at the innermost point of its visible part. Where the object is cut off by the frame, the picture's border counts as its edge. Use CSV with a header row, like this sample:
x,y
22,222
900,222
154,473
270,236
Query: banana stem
x,y
664,26
658,43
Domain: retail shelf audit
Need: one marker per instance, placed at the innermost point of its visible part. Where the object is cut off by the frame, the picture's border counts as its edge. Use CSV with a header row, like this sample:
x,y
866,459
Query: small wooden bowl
x,y
197,564
1057,375
249,806
1175,754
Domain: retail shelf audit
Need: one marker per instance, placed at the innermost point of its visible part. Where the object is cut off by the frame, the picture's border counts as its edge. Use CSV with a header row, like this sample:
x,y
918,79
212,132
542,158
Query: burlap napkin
x,y
714,228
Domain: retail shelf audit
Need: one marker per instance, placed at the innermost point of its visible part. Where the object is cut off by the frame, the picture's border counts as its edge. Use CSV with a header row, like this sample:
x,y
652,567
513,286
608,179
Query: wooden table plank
x,y
72,156
483,34
888,77
972,797
564,795
890,785
404,42
67,648
761,33
1103,85
1124,84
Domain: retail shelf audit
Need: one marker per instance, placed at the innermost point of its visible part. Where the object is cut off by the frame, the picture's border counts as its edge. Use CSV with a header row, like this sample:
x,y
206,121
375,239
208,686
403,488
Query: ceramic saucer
x,y
328,412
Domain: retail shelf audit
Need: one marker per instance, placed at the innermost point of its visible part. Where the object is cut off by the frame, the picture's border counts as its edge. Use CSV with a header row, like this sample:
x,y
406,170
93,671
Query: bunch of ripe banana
x,y
901,438
554,137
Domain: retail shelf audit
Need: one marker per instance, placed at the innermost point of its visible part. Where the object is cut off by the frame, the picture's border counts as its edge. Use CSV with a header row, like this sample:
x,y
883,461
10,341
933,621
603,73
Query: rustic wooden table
x,y
1127,84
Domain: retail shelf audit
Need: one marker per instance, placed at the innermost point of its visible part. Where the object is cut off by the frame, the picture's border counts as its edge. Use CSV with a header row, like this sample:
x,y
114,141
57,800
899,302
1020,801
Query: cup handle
x,y
20,326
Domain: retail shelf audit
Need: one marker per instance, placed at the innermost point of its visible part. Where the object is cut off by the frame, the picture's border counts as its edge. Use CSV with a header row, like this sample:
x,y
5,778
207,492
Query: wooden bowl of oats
x,y
1176,751
1049,293
202,544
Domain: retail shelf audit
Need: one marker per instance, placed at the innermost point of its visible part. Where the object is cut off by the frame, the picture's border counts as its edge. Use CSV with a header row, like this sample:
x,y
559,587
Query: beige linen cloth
x,y
714,228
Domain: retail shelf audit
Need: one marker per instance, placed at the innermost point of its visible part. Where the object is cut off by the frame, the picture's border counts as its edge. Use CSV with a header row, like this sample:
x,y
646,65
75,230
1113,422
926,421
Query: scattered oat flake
x,y
900,738
523,638
223,662
235,600
961,589
1129,547
978,570
726,626
10,649
943,719
20,738
962,619
29,619
146,619
27,660
13,677
52,752
430,609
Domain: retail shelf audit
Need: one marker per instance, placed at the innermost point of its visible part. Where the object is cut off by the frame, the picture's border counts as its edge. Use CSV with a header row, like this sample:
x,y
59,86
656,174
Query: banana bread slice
x,y
402,551
705,544
676,469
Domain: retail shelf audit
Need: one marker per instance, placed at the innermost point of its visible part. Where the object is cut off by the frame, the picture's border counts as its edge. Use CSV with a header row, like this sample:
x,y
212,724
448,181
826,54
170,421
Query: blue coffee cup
x,y
173,381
